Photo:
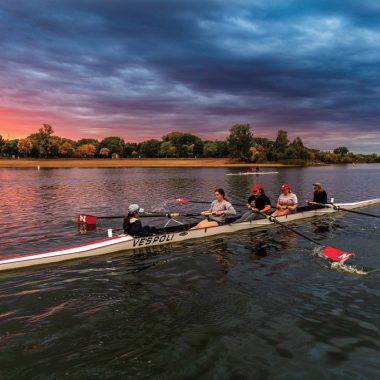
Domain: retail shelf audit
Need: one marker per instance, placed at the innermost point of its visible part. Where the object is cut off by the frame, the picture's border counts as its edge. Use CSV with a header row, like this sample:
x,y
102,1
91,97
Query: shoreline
x,y
128,163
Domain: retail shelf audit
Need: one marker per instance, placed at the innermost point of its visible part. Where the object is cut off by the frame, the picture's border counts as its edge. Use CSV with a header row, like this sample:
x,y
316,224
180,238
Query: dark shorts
x,y
217,221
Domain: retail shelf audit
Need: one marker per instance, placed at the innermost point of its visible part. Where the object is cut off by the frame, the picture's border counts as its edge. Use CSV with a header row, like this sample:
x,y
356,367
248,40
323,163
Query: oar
x,y
91,219
330,252
335,207
181,200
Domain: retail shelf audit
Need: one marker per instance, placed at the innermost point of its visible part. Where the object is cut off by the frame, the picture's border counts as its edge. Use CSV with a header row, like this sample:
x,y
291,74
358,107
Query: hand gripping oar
x,y
330,252
336,207
91,219
181,200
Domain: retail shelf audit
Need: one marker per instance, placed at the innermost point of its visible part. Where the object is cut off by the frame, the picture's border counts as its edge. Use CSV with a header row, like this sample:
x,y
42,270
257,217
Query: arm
x,y
230,210
203,213
265,209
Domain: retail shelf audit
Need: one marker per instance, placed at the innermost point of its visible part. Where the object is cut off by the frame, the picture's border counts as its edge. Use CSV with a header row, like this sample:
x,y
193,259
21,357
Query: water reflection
x,y
174,311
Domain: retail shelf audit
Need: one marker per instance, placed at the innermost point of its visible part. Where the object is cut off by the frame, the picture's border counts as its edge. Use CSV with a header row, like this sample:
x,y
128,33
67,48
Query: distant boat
x,y
252,173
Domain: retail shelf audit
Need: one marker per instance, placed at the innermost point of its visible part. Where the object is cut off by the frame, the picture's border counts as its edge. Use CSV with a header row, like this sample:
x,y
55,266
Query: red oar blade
x,y
86,219
336,254
181,200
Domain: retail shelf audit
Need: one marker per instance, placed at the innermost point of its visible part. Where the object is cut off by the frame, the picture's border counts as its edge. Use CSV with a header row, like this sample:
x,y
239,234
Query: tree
x,y
297,150
114,144
185,144
93,142
43,136
104,152
258,153
54,144
240,141
10,148
280,145
86,150
24,146
341,150
129,148
66,149
167,149
2,143
150,148
210,149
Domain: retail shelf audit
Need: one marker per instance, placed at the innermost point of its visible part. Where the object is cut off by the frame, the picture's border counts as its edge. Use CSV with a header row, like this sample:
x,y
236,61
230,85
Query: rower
x,y
220,207
319,195
132,224
258,202
287,202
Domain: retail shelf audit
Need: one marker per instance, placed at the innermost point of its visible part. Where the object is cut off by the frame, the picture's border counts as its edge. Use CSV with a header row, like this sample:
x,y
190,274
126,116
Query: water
x,y
252,305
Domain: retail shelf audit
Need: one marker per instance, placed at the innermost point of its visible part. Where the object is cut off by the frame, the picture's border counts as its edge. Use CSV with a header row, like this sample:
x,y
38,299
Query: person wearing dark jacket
x,y
132,224
319,195
258,202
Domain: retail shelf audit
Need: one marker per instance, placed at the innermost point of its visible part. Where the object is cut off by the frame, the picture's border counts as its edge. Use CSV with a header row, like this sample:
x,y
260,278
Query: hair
x,y
319,188
262,191
221,191
127,218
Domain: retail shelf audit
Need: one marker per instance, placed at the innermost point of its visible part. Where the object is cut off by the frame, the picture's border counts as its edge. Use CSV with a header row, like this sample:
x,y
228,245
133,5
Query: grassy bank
x,y
126,163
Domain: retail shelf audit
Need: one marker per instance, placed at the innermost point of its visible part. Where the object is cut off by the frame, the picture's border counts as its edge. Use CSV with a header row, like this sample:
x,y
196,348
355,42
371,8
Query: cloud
x,y
143,68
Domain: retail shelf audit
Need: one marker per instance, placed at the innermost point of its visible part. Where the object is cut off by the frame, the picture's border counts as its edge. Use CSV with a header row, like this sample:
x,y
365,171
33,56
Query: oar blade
x,y
86,219
181,200
336,254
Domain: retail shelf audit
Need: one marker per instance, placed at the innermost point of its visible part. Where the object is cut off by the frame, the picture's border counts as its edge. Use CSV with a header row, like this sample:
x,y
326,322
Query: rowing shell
x,y
251,173
169,235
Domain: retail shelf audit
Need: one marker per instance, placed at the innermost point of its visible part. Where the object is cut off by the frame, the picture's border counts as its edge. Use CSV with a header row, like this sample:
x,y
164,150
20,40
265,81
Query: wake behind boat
x,y
166,235
252,173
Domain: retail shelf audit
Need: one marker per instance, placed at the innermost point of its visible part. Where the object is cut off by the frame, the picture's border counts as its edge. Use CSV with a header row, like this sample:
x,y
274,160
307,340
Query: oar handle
x,y
329,205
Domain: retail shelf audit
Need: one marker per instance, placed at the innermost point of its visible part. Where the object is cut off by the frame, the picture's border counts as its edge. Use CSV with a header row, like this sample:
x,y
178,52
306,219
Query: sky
x,y
139,69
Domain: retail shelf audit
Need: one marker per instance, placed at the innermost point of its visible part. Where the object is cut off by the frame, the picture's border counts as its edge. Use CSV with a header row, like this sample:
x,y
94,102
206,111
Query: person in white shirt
x,y
287,202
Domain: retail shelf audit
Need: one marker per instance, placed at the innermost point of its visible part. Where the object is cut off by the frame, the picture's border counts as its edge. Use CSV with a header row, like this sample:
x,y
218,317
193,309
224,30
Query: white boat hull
x,y
251,173
125,242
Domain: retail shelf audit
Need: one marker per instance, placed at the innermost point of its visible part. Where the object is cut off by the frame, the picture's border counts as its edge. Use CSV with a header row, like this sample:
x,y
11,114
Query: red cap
x,y
285,186
256,187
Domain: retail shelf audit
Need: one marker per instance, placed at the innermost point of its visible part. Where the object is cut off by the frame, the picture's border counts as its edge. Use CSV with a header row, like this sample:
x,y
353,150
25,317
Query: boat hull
x,y
252,173
125,242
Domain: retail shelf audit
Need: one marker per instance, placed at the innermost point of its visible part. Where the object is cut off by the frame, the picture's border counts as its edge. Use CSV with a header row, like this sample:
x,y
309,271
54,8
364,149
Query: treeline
x,y
241,145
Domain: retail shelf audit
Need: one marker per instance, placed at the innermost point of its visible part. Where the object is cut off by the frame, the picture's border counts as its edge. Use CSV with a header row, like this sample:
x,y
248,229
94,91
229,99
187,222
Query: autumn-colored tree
x,y
104,152
114,144
24,146
66,149
44,143
86,150
258,153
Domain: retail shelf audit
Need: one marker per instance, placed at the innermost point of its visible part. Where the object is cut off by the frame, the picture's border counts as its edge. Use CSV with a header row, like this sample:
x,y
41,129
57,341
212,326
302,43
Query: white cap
x,y
133,208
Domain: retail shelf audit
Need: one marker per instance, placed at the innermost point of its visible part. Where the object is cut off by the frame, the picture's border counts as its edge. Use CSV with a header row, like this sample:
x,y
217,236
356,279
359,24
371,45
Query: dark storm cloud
x,y
310,67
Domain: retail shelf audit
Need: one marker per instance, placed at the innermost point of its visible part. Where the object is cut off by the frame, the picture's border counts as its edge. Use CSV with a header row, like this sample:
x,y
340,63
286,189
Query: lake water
x,y
253,305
